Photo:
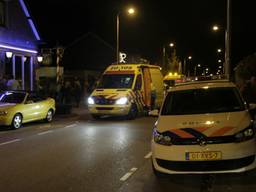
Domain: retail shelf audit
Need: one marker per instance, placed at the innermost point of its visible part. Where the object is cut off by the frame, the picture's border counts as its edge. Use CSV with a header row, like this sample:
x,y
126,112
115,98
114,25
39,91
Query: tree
x,y
245,69
174,62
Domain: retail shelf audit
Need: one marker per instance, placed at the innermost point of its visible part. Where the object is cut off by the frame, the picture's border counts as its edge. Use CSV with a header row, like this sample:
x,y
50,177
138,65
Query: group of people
x,y
8,82
71,91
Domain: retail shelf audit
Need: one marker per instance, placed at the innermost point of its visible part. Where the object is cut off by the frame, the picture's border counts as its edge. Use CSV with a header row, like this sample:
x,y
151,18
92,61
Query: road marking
x,y
148,155
127,175
9,142
45,132
45,127
72,125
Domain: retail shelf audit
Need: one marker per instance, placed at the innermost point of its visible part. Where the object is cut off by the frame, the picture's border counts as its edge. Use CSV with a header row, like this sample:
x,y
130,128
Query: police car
x,y
204,127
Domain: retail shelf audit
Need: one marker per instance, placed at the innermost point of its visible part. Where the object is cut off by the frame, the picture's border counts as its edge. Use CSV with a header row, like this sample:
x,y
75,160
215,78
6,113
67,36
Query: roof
x,y
202,84
136,65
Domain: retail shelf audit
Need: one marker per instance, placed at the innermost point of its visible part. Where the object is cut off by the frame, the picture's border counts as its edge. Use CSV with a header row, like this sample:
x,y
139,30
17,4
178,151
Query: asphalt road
x,y
80,154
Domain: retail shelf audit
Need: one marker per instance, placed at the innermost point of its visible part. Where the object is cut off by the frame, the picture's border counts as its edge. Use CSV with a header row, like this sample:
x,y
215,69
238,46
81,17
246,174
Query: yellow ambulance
x,y
127,90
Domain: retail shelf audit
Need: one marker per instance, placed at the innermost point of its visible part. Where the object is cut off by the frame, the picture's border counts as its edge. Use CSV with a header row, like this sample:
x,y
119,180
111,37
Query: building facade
x,y
19,41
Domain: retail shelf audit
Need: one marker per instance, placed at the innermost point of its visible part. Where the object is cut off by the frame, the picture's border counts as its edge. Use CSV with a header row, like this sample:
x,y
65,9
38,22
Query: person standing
x,y
249,91
3,81
153,96
77,91
13,84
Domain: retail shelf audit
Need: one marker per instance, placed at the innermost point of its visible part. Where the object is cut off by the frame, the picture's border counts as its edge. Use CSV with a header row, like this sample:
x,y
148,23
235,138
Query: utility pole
x,y
228,41
163,64
117,38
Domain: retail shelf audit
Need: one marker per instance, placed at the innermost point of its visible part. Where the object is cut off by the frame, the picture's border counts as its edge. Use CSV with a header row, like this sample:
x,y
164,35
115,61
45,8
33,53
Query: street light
x,y
131,11
171,44
8,54
198,65
227,40
164,54
215,28
39,58
219,50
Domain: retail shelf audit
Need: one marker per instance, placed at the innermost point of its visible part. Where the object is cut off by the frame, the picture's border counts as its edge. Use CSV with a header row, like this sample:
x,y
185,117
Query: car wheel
x,y
133,112
17,121
49,116
96,117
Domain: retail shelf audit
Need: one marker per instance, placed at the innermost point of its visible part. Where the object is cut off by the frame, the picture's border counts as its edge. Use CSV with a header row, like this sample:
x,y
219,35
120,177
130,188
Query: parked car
x,y
204,128
18,107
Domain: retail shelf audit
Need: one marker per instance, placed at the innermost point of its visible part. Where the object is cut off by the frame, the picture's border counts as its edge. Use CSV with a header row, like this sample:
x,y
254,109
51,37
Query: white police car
x,y
204,127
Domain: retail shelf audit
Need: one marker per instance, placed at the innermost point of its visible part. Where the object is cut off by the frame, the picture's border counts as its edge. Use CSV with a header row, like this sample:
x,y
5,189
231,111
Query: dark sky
x,y
157,22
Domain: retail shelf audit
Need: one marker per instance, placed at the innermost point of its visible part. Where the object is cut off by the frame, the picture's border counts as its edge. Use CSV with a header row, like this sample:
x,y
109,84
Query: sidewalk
x,y
75,112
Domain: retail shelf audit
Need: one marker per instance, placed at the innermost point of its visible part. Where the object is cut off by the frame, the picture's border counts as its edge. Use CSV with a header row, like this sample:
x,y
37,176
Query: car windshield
x,y
197,101
116,81
11,97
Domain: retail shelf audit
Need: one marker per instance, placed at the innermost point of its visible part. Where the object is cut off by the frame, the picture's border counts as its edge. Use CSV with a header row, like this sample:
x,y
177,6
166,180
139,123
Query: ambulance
x,y
126,90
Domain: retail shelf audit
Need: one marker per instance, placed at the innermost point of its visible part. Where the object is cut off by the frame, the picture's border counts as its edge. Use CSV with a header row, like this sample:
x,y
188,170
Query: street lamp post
x,y
130,11
164,55
185,63
198,65
227,40
117,39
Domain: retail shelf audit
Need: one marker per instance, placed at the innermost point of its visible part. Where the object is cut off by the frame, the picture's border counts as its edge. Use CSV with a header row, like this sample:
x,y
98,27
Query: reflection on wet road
x,y
88,155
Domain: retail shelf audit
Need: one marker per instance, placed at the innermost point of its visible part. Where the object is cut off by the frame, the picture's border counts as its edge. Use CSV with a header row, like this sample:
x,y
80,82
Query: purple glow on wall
x,y
34,29
31,23
18,49
24,8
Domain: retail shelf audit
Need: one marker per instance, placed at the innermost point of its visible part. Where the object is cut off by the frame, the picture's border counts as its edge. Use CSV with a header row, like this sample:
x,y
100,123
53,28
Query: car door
x,y
31,109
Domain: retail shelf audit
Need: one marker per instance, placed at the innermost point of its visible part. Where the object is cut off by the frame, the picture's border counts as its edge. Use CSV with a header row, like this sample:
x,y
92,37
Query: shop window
x,y
2,13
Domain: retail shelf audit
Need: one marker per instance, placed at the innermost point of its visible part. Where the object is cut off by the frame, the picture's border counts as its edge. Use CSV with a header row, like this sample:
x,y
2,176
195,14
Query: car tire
x,y
49,116
17,121
133,112
96,117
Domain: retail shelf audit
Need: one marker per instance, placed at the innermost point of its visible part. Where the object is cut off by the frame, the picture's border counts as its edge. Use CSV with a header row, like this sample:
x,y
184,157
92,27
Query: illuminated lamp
x,y
8,54
39,58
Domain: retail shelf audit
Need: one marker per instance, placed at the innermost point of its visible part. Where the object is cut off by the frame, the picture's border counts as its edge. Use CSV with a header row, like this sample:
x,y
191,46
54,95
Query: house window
x,y
2,13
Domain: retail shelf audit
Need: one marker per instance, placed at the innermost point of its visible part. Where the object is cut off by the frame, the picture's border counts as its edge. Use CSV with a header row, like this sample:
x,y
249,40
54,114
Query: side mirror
x,y
154,113
252,106
252,110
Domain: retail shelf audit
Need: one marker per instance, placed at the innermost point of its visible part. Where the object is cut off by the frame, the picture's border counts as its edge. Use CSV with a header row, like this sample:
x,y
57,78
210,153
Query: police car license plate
x,y
203,156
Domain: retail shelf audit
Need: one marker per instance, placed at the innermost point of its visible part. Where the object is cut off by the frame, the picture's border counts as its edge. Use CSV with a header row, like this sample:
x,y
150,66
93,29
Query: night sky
x,y
186,22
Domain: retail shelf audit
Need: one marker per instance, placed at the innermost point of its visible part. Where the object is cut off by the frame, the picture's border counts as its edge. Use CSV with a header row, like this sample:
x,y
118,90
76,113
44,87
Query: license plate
x,y
203,156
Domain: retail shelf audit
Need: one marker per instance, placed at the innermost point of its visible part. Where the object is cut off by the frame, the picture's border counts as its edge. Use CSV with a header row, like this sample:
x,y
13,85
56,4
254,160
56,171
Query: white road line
x,y
9,142
127,175
45,127
72,125
45,132
148,155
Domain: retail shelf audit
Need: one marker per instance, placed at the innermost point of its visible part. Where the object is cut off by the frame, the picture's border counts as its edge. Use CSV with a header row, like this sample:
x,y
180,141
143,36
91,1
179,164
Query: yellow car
x,y
17,107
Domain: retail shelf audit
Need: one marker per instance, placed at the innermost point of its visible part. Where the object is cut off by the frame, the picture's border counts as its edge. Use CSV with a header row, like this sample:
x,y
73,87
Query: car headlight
x,y
3,112
161,138
90,101
245,134
122,101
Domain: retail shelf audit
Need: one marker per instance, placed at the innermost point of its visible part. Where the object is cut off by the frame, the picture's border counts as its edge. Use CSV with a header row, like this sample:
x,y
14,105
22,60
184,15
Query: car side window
x,y
33,98
138,83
